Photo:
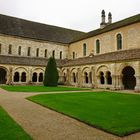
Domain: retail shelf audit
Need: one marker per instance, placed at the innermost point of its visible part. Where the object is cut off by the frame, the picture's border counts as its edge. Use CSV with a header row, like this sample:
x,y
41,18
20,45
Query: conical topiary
x,y
51,73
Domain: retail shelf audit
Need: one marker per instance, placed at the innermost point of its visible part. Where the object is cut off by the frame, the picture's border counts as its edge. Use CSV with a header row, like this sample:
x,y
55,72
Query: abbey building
x,y
108,57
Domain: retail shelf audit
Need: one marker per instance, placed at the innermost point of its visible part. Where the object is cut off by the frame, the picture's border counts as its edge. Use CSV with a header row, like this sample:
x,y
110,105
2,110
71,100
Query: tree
x,y
51,73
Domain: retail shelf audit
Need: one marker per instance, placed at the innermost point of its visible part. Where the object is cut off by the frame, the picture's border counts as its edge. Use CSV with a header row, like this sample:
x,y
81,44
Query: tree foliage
x,y
51,73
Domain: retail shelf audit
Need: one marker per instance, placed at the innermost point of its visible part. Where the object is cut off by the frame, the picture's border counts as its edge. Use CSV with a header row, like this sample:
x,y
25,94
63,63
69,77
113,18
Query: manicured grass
x,y
39,88
9,129
116,113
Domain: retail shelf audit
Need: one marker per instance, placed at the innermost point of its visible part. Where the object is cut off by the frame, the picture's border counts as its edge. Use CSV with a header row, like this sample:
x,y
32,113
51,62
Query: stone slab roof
x,y
26,61
112,26
33,30
108,57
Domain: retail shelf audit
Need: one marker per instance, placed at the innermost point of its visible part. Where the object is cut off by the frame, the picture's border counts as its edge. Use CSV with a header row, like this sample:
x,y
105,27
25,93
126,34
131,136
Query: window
x,y
19,50
109,78
23,77
61,55
29,51
45,53
74,77
41,77
73,55
10,49
53,53
102,79
37,52
84,49
97,46
119,41
16,77
0,48
34,77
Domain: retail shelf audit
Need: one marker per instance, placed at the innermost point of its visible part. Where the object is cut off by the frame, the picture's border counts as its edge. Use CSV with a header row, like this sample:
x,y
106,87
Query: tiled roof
x,y
28,29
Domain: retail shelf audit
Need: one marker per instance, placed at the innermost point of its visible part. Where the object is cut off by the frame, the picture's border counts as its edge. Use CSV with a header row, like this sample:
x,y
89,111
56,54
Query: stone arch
x,y
102,68
128,78
74,74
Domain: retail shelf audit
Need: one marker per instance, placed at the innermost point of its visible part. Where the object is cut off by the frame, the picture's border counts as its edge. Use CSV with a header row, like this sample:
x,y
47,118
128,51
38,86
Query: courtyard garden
x,y
115,113
40,88
9,129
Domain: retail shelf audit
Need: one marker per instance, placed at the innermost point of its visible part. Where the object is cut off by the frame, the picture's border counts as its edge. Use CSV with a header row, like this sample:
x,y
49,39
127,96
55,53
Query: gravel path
x,y
44,124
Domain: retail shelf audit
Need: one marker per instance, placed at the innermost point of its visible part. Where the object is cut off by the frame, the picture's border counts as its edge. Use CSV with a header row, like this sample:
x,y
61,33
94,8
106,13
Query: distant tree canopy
x,y
51,73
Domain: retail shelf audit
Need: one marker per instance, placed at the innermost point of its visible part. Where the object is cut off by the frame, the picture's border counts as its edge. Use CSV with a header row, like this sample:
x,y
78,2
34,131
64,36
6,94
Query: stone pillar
x,y
137,87
79,82
119,84
114,81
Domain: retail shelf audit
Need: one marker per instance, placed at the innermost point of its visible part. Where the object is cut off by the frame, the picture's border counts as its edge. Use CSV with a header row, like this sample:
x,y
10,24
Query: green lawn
x,y
9,129
39,88
116,113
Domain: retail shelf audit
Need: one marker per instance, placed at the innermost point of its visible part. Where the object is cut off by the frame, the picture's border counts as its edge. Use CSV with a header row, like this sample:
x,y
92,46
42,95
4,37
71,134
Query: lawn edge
x,y
93,126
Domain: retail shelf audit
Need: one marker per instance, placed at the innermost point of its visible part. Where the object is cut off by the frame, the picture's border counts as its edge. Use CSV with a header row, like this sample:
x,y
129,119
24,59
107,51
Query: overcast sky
x,y
83,15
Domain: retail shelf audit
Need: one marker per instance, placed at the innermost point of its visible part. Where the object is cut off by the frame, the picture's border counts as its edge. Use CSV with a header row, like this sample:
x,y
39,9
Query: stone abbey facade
x,y
108,57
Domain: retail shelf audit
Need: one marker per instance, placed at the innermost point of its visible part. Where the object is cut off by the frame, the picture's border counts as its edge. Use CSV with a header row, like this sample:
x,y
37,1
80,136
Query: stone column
x,y
79,77
119,84
137,87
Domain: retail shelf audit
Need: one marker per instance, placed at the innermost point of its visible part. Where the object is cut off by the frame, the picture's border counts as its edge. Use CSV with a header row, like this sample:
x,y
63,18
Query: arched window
x,y
10,49
86,77
29,51
23,77
73,55
0,48
60,54
37,52
16,77
102,79
97,46
19,50
74,77
45,55
41,77
34,77
53,54
84,49
119,41
109,78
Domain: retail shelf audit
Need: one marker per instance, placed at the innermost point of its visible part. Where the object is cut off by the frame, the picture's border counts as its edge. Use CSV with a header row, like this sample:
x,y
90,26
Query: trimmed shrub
x,y
51,73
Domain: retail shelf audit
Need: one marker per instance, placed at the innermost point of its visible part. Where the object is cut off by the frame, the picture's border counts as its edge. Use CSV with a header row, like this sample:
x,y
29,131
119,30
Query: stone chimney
x,y
109,18
103,23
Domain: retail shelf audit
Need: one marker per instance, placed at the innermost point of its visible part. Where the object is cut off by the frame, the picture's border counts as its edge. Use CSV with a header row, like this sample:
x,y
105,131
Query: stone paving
x,y
44,124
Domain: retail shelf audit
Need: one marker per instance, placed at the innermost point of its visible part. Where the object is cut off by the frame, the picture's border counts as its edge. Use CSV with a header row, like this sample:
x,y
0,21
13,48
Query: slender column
x,y
137,87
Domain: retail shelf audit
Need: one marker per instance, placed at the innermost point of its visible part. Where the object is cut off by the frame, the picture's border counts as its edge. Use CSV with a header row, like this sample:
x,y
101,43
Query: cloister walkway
x,y
44,124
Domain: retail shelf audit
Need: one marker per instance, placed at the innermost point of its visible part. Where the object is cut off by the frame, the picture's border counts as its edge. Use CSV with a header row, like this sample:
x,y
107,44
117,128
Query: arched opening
x,y
102,79
16,77
74,77
41,77
109,78
23,77
128,79
86,77
2,76
34,77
